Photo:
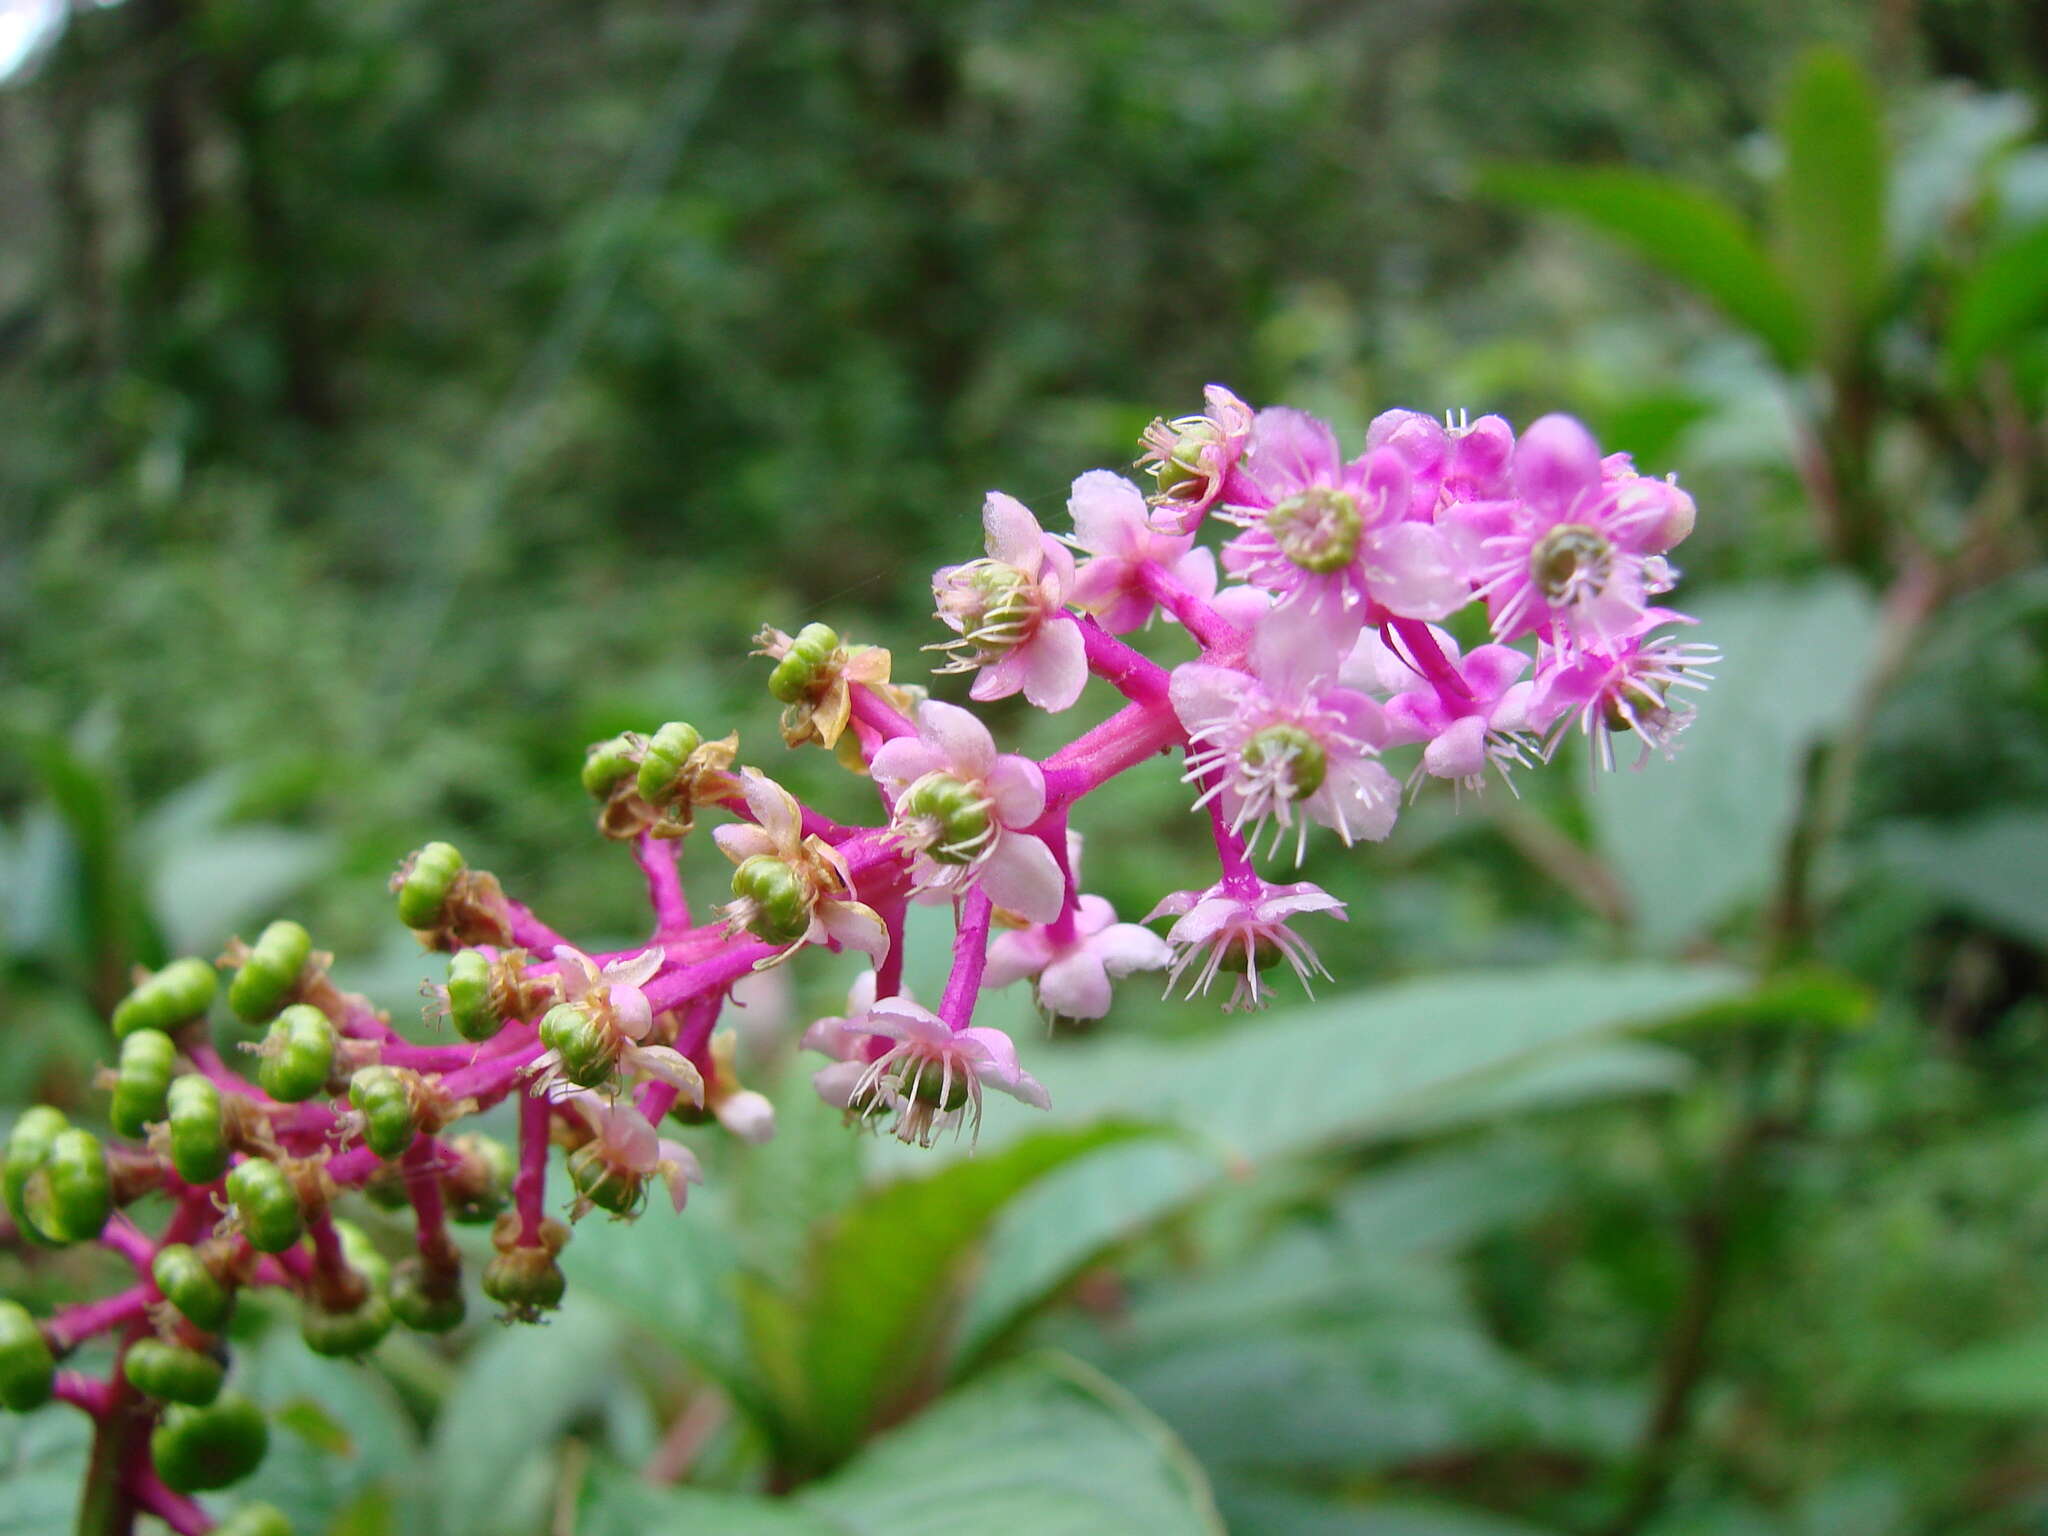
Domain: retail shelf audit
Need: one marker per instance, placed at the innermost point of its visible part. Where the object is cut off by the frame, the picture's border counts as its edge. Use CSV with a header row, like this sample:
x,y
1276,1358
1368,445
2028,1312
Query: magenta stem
x,y
1427,658
656,1099
1231,854
90,1393
1127,738
122,1236
657,857
1053,828
528,931
70,1326
1136,677
529,1186
889,975
877,714
423,1188
187,1517
970,957
488,1081
1221,642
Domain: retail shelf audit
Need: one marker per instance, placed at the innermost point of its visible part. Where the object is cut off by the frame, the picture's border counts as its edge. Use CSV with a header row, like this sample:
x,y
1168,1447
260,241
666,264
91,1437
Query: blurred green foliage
x,y
403,396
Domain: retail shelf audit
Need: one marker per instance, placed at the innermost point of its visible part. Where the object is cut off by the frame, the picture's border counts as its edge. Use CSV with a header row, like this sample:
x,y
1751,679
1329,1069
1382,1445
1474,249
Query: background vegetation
x,y
401,396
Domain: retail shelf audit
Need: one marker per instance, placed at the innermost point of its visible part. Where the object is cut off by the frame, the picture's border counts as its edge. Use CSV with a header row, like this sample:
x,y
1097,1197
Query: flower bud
x,y
384,1100
255,1520
142,1081
586,1049
472,1005
953,817
267,1205
180,992
70,1195
424,1302
298,1054
424,884
661,770
28,1144
270,972
354,1332
172,1373
777,902
607,764
187,1284
196,1449
27,1369
811,654
478,1187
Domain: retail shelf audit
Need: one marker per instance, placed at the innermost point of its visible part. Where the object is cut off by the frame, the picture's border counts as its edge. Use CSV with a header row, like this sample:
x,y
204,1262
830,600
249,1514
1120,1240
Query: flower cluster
x,y
1319,626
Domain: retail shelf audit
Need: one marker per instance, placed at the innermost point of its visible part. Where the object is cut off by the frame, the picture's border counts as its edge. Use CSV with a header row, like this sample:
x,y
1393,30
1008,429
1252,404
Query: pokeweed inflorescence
x,y
1317,649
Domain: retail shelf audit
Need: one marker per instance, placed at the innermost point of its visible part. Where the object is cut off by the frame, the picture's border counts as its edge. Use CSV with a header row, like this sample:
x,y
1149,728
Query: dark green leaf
x,y
1684,231
1831,195
2004,297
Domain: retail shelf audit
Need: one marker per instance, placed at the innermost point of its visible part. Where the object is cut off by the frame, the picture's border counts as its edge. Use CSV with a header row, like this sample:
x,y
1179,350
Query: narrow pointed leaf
x,y
1831,196
2003,299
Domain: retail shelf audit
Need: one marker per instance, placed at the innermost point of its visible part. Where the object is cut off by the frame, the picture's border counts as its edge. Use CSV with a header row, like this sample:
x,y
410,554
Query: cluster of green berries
x,y
655,783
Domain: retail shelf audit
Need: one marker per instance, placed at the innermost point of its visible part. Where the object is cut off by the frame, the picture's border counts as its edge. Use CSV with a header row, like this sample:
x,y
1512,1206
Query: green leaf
x,y
1991,868
1375,1064
1044,1447
1830,211
517,1392
1276,1511
1694,836
341,1433
2004,297
1805,997
2008,1376
42,1462
873,1309
1684,231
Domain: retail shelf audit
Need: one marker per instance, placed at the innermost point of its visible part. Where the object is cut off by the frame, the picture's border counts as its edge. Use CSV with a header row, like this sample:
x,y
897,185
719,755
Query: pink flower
x,y
1009,611
622,1021
1110,524
1191,459
962,810
1576,556
1448,463
1241,929
1335,541
624,1152
1285,736
826,907
1484,722
844,1038
933,1077
1631,687
1073,973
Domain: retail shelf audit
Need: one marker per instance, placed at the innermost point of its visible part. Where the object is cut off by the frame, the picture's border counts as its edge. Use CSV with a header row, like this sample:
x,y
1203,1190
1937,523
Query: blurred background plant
x,y
404,396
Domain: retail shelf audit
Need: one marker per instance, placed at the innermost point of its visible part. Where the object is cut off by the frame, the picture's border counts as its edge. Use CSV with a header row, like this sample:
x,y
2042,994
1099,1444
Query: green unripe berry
x,y
525,1281
606,763
585,1048
471,1007
422,1307
142,1081
478,1190
267,1205
270,971
778,904
346,1333
424,885
667,750
809,654
173,1373
191,1287
1265,954
298,1054
196,1449
199,1146
28,1144
384,1101
953,817
180,992
70,1197
603,1183
27,1369
255,1520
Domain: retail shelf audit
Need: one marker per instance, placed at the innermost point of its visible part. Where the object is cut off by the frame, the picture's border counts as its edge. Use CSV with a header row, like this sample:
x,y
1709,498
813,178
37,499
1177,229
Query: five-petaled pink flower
x,y
1241,928
933,1076
1073,972
1009,611
1110,525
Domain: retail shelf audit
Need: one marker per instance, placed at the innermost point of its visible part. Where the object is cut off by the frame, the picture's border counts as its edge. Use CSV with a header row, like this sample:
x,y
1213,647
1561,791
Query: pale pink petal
x,y
748,1115
1411,568
1241,607
1002,679
742,840
1125,947
1017,787
1196,570
961,741
1012,534
1055,662
668,1065
1203,694
900,761
1014,956
1108,513
1021,876
1555,462
1459,752
835,1084
1126,613
639,970
774,807
855,926
1056,573
1076,986
679,1169
901,1019
995,1059
630,1010
1492,668
578,973
1289,449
